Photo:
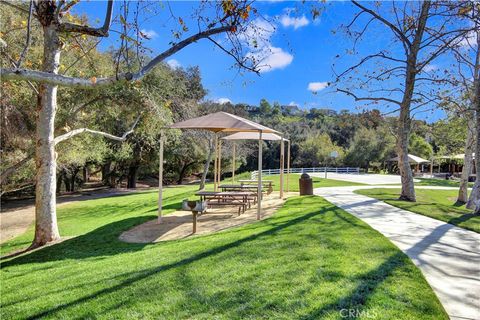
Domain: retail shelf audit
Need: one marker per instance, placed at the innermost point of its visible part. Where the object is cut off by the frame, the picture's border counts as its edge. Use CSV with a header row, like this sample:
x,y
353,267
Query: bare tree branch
x,y
27,42
40,76
239,62
395,30
75,132
369,98
96,32
8,171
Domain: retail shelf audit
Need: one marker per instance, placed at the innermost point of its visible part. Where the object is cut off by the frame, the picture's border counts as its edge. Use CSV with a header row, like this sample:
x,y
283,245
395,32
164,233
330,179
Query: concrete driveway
x,y
367,178
448,256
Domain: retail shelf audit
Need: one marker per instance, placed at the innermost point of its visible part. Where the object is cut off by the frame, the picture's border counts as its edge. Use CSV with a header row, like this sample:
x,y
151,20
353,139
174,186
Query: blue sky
x,y
304,53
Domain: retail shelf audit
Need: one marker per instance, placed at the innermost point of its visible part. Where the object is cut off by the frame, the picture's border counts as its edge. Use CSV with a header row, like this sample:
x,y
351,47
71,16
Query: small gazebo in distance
x,y
218,122
413,160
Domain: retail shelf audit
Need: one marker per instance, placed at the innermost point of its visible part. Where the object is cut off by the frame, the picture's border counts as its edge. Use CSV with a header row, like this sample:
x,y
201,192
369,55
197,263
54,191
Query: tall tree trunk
x,y
183,172
46,228
106,172
85,174
211,150
404,120
474,200
467,160
73,179
132,176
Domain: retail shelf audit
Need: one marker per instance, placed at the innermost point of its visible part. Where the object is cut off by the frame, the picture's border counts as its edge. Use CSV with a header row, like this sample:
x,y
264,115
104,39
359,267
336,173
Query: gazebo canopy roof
x,y
253,136
412,159
461,156
222,122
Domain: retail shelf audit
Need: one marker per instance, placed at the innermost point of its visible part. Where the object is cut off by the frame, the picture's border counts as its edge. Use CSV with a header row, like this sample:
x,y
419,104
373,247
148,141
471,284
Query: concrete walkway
x,y
448,256
365,178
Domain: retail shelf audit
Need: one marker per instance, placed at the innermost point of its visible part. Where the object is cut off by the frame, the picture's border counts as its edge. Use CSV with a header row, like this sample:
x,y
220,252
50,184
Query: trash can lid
x,y
304,176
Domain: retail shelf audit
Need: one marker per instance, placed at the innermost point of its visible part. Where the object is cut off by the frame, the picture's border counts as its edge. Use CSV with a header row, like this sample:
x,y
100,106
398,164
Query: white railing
x,y
348,170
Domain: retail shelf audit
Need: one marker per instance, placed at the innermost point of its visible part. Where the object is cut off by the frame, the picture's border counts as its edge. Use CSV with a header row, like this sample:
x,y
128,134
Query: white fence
x,y
348,170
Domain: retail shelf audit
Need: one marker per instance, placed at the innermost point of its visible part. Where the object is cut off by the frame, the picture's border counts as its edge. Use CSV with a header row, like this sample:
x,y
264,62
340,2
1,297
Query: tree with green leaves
x,y
58,30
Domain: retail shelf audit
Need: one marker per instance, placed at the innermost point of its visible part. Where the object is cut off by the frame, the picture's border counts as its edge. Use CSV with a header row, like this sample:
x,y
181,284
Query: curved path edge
x,y
448,256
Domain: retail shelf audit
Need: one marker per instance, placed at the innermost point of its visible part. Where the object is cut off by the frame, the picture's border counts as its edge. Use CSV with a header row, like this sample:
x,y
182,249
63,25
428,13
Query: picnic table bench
x,y
227,198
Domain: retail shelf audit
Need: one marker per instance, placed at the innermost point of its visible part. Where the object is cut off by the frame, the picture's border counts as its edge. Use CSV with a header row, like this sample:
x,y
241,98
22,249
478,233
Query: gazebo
x,y
217,122
270,137
412,159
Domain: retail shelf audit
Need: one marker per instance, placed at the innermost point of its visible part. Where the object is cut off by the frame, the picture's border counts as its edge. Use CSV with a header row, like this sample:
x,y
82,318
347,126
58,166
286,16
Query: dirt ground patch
x,y
178,225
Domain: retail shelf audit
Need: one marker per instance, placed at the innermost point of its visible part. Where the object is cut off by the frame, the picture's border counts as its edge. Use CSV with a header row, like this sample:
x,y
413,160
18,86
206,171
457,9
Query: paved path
x,y
448,256
365,178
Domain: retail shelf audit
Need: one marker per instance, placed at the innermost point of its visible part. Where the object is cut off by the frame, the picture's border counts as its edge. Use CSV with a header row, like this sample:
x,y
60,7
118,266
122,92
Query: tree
x,y
421,32
368,145
420,147
56,32
316,150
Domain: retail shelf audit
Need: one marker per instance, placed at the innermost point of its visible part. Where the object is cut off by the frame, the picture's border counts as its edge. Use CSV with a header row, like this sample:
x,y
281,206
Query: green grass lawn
x,y
439,182
293,181
437,204
309,261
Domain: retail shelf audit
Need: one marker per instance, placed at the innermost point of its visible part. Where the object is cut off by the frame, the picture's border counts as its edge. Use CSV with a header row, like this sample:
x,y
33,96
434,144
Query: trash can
x,y
306,185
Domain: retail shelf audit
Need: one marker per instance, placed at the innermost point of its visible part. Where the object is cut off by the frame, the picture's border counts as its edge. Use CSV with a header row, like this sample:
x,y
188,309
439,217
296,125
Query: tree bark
x,y
467,160
474,200
206,166
132,176
183,171
106,172
86,176
46,228
73,178
404,121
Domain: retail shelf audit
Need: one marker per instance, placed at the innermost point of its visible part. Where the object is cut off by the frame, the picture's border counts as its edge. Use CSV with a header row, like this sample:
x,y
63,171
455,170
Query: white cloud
x,y
293,104
317,86
223,100
257,36
295,22
150,34
271,58
174,64
469,40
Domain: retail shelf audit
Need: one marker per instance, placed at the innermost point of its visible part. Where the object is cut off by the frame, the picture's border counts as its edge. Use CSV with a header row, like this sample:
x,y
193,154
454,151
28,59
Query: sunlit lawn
x,y
309,261
437,204
439,182
293,181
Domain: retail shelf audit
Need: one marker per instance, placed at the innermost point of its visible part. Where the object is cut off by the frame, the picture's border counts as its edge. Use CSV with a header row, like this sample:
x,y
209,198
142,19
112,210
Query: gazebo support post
x,y
219,171
431,168
233,164
288,163
259,177
215,164
282,166
160,177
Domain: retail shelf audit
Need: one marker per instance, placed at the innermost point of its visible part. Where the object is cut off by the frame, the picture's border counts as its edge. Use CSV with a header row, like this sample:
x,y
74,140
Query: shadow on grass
x,y
69,251
102,241
358,297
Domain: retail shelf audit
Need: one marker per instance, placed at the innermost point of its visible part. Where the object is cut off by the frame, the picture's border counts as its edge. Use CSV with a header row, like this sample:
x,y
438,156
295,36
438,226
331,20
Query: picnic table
x,y
228,198
265,183
237,187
